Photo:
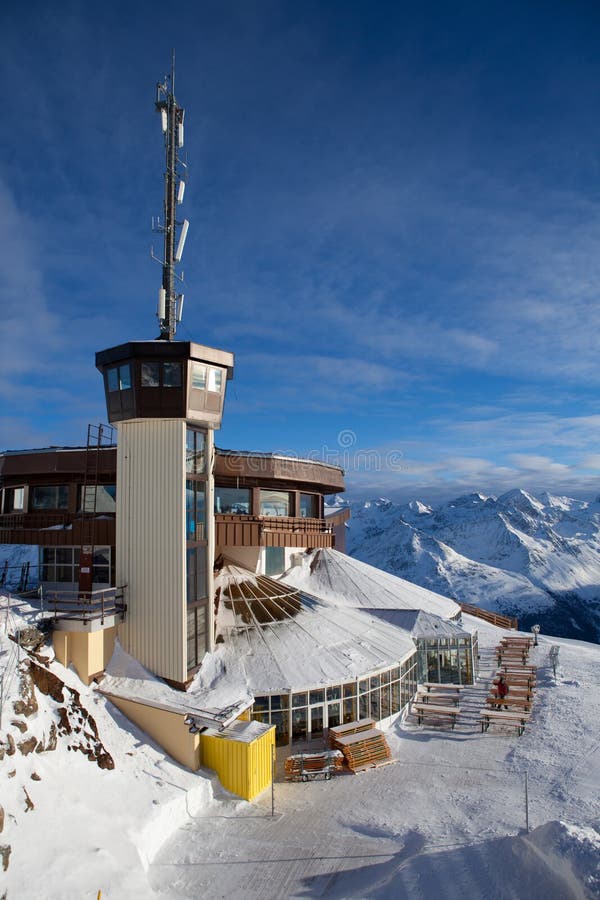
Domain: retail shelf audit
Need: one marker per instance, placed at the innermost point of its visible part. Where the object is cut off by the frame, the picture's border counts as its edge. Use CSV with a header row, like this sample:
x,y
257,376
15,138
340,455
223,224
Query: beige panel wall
x,y
167,728
89,651
150,542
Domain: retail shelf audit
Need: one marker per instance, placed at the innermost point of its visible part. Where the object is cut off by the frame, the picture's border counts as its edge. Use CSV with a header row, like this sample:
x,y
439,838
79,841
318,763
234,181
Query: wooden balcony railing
x,y
85,606
491,617
272,531
53,528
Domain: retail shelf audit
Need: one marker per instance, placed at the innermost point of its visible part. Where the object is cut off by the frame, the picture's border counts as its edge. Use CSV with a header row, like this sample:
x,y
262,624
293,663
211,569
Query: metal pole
x,y
526,805
273,781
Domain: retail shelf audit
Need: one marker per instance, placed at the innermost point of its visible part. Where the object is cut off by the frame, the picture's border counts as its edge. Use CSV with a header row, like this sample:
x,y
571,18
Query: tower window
x,y
119,378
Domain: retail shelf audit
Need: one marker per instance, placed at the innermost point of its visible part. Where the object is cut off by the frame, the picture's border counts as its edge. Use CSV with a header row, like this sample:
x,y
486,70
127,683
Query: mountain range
x,y
536,558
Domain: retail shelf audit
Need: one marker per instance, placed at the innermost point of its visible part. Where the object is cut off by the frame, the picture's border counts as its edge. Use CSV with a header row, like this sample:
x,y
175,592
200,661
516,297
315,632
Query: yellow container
x,y
242,757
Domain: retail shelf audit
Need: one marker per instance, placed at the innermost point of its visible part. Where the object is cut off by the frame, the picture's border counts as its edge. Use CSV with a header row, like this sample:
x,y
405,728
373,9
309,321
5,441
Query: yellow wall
x,y
166,727
243,768
89,651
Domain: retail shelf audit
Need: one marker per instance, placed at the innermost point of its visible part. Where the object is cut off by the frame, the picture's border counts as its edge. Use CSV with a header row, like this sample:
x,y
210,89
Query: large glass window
x,y
119,378
232,500
195,507
100,498
172,374
198,376
196,574
195,454
150,376
50,496
215,379
309,506
61,564
14,499
196,636
275,503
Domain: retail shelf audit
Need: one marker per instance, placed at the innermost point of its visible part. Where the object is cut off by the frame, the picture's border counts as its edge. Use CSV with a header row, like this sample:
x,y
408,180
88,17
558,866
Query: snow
x,y
446,819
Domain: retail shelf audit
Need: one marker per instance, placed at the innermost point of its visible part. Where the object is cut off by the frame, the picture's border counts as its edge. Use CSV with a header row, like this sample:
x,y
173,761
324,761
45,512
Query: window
x,y
196,636
309,506
119,378
100,498
195,455
215,379
50,496
198,376
274,560
195,504
232,500
275,503
155,374
150,374
61,564
196,574
14,499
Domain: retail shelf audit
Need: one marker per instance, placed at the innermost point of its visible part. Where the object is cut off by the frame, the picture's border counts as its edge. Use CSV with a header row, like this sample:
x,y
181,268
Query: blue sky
x,y
395,226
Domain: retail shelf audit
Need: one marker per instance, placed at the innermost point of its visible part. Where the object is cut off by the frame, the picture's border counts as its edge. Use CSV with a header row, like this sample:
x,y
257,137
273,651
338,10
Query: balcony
x,y
234,530
53,529
88,607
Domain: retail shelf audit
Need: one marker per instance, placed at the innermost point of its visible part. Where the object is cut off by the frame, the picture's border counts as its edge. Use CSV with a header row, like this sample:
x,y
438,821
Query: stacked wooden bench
x,y
361,743
504,717
512,710
310,766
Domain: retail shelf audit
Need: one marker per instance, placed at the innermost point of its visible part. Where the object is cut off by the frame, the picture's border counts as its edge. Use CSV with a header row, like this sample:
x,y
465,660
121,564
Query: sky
x,y
395,226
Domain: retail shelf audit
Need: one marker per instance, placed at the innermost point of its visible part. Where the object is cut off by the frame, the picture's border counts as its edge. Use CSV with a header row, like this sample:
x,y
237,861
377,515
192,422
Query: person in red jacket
x,y
502,691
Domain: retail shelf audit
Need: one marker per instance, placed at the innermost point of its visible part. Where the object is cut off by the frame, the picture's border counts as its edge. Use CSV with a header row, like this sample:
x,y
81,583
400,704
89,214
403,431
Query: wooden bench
x,y
364,749
504,717
340,731
444,697
518,669
510,700
429,710
439,686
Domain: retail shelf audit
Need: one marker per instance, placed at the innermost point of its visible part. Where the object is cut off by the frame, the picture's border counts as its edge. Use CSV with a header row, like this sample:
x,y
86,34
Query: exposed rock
x,y
5,856
1,819
29,804
30,637
50,744
10,750
22,726
48,683
12,773
27,705
28,746
35,776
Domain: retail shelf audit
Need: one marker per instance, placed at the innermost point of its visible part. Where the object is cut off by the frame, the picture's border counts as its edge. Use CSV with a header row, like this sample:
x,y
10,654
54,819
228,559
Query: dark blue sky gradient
x,y
394,225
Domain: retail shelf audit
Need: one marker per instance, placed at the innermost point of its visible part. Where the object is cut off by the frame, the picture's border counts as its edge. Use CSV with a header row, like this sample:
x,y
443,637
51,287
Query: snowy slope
x,y
446,815
535,558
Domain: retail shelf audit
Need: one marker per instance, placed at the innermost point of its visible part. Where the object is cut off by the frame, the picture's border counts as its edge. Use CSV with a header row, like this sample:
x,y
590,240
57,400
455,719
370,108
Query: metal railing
x,y
85,606
277,523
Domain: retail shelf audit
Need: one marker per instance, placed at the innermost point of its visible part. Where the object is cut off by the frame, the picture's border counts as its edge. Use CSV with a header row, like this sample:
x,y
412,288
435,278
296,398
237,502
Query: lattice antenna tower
x,y
170,302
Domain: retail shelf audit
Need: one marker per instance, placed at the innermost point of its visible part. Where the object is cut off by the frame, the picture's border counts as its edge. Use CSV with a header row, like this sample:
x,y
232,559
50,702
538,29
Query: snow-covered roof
x,y
286,640
421,624
344,581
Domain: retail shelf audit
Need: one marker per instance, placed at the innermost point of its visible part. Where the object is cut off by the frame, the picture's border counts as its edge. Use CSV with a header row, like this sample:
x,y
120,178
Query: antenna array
x,y
170,303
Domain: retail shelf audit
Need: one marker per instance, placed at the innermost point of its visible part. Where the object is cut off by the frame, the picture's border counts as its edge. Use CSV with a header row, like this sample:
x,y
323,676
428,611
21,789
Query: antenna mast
x,y
170,303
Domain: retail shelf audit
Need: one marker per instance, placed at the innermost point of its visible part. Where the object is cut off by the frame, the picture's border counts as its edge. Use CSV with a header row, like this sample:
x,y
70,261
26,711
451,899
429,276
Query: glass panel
x,y
198,376
215,379
333,715
316,721
260,704
195,456
232,500
18,497
125,377
64,555
196,574
385,702
349,710
112,377
309,506
280,721
99,498
363,706
274,503
150,374
396,707
299,721
299,699
51,496
195,510
375,705
350,690
274,560
334,693
316,696
374,681
172,375
64,573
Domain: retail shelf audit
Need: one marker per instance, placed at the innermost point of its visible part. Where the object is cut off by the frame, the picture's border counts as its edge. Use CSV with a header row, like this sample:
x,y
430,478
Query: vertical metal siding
x,y
243,768
150,542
